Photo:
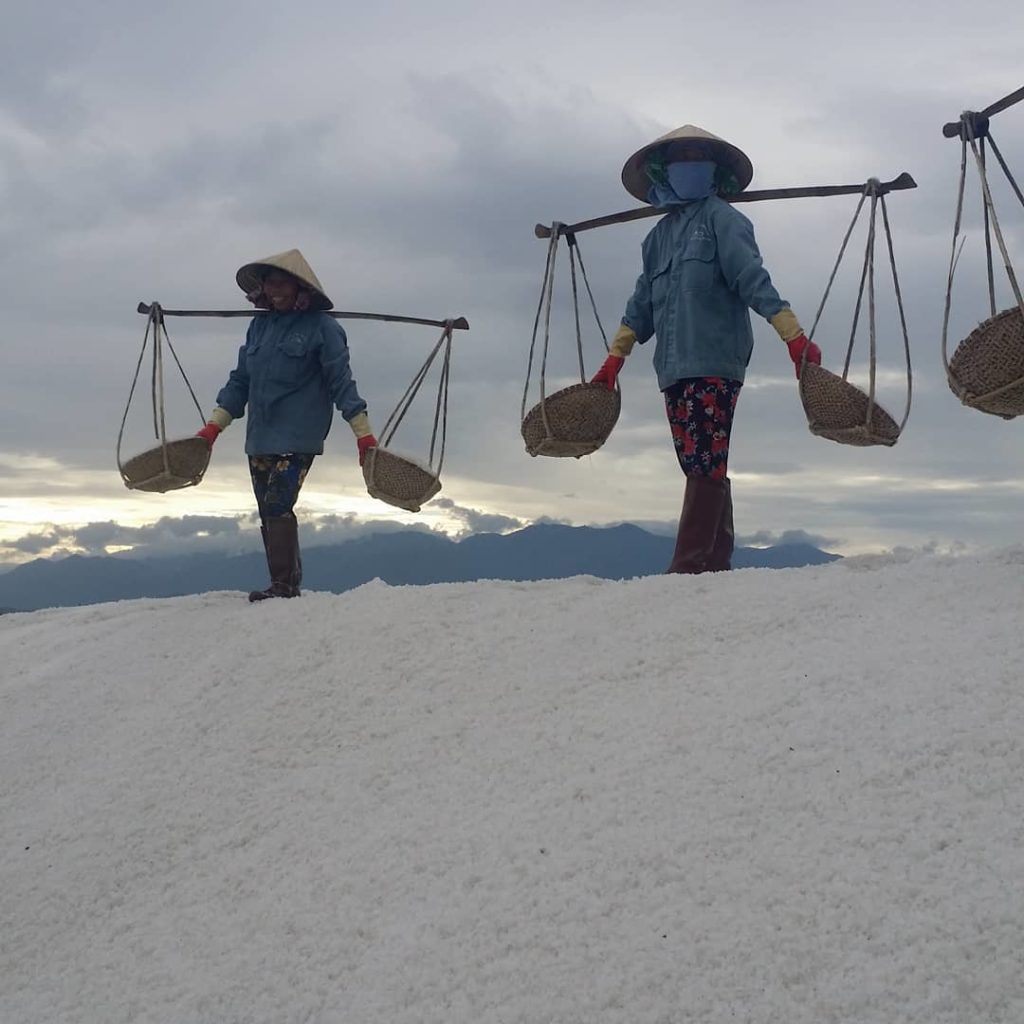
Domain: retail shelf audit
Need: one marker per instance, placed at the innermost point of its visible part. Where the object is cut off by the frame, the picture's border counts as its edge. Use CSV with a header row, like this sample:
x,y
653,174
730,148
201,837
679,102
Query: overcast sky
x,y
146,151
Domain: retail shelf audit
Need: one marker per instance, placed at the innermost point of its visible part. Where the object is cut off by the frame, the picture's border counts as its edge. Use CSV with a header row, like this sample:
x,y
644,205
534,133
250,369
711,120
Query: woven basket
x,y
991,357
838,410
398,480
187,459
580,417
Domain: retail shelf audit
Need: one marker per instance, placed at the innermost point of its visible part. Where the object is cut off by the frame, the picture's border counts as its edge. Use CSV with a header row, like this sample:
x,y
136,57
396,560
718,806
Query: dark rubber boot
x,y
703,508
281,536
266,543
725,540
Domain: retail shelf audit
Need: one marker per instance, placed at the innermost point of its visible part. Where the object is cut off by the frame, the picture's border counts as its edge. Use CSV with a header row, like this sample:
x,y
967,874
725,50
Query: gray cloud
x,y
475,521
765,538
175,535
37,543
166,535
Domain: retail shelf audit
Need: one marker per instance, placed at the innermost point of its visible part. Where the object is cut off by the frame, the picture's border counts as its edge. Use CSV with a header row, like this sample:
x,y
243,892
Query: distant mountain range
x,y
543,551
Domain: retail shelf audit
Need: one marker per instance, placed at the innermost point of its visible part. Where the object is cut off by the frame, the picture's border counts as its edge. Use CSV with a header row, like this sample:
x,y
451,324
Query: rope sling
x,y
399,480
171,465
837,409
987,369
578,419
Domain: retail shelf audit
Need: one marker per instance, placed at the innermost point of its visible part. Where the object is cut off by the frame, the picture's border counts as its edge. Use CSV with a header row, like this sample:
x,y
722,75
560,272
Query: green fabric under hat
x,y
250,276
736,168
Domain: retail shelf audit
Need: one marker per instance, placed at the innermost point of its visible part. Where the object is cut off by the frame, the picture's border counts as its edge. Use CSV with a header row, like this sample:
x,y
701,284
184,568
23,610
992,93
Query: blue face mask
x,y
687,181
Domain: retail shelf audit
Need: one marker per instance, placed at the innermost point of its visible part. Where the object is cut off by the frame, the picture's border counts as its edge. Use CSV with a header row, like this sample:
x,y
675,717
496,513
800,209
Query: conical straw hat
x,y
725,154
250,276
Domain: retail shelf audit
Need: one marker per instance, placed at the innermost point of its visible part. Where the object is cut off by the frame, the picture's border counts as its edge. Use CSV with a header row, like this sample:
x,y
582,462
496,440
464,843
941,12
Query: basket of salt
x,y
398,480
987,368
167,467
572,422
840,411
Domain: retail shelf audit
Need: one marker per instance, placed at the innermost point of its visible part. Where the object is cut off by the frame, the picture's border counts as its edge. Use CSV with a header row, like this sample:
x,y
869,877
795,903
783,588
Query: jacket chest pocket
x,y
253,350
661,282
698,265
290,358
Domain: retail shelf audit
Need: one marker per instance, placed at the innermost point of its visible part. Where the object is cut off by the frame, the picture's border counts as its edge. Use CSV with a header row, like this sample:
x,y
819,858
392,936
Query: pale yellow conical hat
x,y
250,276
725,154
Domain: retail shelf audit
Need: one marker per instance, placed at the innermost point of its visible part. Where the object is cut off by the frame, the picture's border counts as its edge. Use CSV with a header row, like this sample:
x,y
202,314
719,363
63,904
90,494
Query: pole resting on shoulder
x,y
881,188
459,323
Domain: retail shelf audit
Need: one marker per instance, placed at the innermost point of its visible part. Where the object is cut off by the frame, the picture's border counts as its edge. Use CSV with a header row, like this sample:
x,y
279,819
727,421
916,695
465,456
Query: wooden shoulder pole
x,y
458,323
902,181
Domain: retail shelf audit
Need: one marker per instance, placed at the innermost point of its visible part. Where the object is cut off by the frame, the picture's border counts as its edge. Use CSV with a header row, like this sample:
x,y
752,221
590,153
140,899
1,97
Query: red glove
x,y
209,433
609,372
797,347
364,444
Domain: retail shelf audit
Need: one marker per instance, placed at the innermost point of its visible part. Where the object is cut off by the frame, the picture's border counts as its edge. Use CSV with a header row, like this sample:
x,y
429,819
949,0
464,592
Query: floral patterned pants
x,y
700,412
277,480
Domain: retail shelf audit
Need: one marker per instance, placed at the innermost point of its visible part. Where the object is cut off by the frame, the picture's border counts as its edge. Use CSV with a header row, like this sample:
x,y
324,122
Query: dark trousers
x,y
700,414
276,482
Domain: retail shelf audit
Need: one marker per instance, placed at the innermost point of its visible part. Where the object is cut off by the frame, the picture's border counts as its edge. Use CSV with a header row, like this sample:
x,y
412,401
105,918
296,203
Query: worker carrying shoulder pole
x,y
702,274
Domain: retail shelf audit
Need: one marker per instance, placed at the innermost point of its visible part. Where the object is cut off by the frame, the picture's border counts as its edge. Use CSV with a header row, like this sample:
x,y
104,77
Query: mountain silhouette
x,y
542,551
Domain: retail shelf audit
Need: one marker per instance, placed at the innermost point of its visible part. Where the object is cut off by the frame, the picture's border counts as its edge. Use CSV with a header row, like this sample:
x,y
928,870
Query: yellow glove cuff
x,y
786,323
360,424
623,342
221,417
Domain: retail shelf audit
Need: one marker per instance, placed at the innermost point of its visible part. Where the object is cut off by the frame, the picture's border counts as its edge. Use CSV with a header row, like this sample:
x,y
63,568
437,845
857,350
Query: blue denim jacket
x,y
702,273
292,369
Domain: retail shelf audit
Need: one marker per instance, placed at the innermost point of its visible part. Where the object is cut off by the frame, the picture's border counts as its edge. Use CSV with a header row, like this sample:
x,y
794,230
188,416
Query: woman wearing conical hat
x,y
702,274
292,371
